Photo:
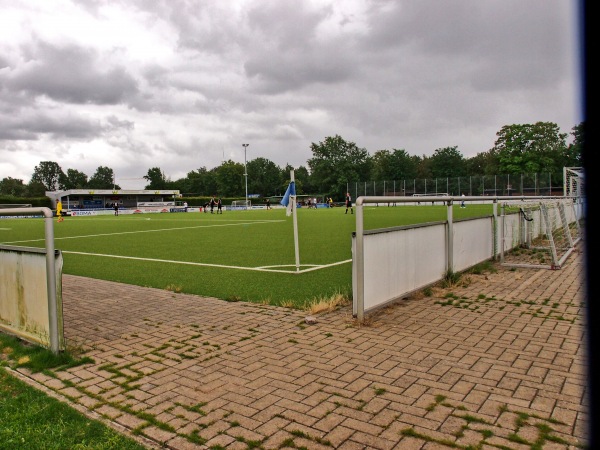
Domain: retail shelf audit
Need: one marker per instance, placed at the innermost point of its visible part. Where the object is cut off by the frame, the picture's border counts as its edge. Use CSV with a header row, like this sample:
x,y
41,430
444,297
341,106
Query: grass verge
x,y
32,420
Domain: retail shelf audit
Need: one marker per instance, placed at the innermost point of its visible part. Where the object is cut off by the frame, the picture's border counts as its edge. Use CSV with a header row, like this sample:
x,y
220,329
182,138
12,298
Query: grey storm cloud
x,y
71,74
61,126
136,83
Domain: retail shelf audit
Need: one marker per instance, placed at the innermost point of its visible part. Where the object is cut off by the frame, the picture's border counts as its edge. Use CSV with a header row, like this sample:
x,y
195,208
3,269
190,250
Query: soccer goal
x,y
573,182
439,194
538,234
241,204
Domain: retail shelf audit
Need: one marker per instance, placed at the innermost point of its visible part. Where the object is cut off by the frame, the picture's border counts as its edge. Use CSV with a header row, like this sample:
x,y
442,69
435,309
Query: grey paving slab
x,y
497,360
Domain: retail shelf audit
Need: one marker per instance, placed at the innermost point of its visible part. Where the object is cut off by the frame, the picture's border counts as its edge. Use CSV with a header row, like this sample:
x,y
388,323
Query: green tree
x,y
200,182
156,179
230,180
447,162
74,179
484,163
13,186
423,167
285,180
393,165
49,174
264,177
574,153
335,163
530,148
35,189
103,178
303,179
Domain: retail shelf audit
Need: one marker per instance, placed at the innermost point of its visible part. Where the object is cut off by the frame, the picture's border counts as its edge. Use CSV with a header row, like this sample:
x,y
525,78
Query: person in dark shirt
x,y
349,203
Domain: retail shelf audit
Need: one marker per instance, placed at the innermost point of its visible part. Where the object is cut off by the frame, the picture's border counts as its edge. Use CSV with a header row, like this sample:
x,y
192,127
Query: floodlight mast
x,y
246,172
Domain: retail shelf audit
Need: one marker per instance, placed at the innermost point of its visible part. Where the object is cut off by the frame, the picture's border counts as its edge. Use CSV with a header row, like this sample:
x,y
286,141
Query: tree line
x,y
335,162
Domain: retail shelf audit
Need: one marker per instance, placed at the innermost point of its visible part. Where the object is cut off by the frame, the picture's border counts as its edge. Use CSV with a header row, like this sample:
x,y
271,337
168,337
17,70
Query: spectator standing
x,y
462,202
349,203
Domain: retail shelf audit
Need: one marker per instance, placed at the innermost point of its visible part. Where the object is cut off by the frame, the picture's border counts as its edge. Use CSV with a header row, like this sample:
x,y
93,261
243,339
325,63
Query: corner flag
x,y
289,201
285,201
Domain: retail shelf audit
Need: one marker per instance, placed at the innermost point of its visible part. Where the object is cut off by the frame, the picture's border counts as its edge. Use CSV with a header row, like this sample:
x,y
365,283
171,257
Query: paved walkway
x,y
499,362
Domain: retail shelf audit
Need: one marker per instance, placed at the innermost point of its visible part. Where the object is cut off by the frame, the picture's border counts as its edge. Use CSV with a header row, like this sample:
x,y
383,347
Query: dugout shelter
x,y
76,200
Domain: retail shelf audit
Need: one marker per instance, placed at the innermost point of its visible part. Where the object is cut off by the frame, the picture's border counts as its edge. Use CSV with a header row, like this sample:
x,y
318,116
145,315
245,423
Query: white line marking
x,y
149,231
256,269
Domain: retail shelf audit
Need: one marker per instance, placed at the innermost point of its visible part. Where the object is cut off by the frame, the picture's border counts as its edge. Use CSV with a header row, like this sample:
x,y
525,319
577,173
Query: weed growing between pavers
x,y
534,308
486,429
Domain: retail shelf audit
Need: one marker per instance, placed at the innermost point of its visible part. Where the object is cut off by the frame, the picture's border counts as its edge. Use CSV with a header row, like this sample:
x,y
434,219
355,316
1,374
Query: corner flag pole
x,y
293,200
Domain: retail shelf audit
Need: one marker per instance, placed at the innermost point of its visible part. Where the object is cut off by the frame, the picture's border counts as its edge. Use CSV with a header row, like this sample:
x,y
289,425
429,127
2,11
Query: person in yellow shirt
x,y
59,211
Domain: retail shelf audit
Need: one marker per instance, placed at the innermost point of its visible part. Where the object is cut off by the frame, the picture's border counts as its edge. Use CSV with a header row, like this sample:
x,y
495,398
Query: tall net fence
x,y
537,184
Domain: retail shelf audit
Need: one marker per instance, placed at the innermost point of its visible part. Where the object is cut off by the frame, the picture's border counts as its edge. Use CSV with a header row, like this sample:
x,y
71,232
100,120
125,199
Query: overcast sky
x,y
182,84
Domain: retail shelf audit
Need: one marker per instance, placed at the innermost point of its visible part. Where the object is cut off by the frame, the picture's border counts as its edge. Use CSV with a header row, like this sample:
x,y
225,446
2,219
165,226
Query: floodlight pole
x,y
246,172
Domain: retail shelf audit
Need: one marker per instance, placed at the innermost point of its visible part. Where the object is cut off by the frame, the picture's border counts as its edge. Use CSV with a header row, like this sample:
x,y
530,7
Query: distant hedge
x,y
37,202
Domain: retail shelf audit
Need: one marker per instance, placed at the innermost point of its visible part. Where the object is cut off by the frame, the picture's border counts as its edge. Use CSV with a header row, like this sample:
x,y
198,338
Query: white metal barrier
x,y
393,263
20,279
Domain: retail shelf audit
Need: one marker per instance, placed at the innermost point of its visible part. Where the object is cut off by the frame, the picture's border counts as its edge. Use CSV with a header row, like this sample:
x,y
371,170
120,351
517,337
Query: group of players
x,y
212,203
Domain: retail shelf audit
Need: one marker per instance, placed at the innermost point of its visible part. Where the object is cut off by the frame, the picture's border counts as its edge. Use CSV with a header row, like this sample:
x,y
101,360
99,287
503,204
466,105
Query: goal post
x,y
241,204
573,182
538,234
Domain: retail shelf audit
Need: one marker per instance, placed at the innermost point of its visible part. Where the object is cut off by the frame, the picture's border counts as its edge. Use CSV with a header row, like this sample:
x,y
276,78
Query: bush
x,y
36,202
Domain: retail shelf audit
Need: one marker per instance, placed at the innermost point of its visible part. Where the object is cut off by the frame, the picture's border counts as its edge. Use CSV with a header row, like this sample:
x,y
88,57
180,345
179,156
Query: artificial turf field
x,y
243,255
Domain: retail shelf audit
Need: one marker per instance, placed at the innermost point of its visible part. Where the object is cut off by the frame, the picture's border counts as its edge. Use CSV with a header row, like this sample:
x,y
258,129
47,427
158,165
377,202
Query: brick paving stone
x,y
70,392
276,440
129,421
109,411
215,428
268,413
247,435
221,440
373,442
240,366
181,443
271,426
158,435
338,435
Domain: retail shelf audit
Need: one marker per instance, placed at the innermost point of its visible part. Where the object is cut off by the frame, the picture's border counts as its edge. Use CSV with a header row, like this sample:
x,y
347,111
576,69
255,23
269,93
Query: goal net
x,y
241,204
573,182
538,234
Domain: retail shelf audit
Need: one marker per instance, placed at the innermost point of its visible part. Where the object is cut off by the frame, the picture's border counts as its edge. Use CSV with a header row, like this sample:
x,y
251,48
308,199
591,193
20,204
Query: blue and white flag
x,y
285,201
